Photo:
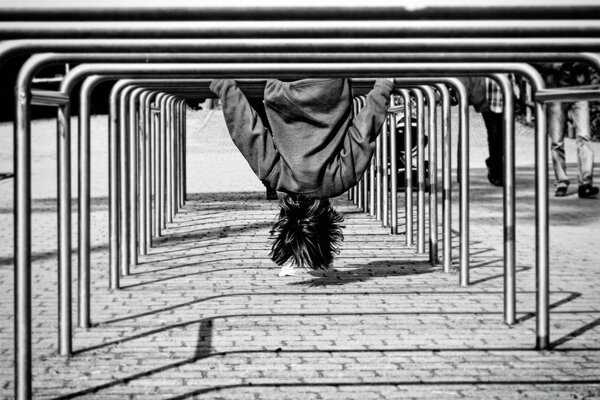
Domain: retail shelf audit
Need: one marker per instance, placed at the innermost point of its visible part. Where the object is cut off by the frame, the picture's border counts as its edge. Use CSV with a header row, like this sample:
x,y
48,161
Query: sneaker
x,y
495,173
287,269
561,190
586,191
494,180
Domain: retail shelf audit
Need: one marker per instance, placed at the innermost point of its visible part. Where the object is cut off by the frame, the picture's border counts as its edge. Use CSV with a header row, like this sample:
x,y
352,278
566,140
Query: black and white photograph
x,y
301,200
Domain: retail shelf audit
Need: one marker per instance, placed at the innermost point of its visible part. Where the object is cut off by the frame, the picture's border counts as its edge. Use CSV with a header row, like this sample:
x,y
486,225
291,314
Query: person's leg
x,y
493,123
556,123
580,116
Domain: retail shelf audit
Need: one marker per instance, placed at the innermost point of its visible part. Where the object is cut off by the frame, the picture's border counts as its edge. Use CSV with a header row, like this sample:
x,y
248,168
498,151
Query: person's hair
x,y
307,231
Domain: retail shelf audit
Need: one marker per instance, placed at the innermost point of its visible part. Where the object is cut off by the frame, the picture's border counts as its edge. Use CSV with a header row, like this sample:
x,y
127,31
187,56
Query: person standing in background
x,y
570,74
493,119
486,97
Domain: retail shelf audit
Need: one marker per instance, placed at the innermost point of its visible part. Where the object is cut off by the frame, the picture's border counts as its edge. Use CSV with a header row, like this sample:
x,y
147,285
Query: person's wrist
x,y
386,81
218,85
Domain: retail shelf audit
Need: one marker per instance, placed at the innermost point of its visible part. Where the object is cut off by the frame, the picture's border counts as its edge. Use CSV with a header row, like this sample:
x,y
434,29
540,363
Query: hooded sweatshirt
x,y
311,144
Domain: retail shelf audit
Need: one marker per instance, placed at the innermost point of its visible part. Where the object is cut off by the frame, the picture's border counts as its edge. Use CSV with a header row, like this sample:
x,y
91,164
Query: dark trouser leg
x,y
493,124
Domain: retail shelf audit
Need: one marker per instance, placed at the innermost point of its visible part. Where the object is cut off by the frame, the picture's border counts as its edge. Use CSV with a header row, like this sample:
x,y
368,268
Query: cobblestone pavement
x,y
205,315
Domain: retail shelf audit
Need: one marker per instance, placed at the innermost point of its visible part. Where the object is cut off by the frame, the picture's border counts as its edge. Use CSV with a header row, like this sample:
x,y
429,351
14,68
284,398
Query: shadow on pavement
x,y
569,210
375,269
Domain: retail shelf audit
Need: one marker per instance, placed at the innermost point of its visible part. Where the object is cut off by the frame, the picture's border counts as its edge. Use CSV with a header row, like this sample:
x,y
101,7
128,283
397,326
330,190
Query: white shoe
x,y
287,269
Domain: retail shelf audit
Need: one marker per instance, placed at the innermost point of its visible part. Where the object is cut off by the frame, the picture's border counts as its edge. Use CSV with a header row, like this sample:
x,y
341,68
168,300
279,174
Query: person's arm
x,y
359,143
246,128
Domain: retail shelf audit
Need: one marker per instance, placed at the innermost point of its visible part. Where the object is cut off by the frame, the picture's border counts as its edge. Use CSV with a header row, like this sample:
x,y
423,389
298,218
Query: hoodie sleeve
x,y
359,143
246,128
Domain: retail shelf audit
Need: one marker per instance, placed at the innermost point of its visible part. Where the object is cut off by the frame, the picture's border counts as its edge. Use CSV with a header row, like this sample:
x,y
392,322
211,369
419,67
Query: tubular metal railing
x,y
448,10
64,129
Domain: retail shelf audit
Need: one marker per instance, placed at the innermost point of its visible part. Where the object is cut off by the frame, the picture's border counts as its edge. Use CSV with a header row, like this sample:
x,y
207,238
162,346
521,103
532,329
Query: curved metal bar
x,y
182,166
152,142
154,162
170,160
355,187
433,208
147,174
362,184
185,191
359,185
174,148
408,182
463,168
167,160
133,173
162,162
124,209
117,264
152,118
366,175
64,228
155,125
446,177
509,200
541,225
84,231
420,172
385,143
22,189
393,170
174,179
157,172
143,237
372,184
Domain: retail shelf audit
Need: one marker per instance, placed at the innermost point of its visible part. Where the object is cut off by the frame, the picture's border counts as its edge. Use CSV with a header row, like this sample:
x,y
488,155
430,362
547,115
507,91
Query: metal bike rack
x,y
128,200
22,165
385,68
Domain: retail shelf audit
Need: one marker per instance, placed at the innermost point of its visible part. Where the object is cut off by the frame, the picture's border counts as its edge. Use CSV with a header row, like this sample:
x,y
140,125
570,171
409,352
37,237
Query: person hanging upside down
x,y
314,150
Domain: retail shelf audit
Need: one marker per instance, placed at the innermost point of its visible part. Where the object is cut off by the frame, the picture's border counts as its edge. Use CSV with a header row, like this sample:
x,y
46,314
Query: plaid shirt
x,y
494,96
